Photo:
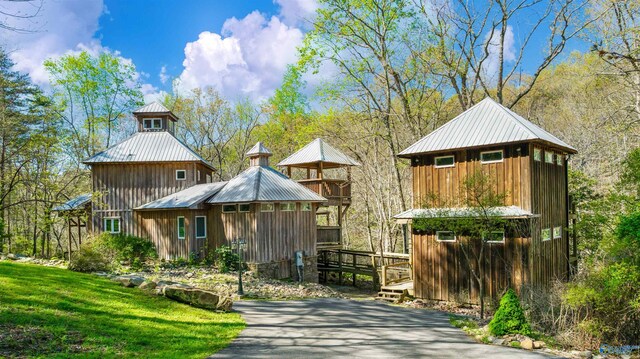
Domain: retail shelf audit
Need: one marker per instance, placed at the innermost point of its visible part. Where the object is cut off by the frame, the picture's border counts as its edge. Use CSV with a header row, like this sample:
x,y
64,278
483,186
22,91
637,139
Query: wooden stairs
x,y
395,293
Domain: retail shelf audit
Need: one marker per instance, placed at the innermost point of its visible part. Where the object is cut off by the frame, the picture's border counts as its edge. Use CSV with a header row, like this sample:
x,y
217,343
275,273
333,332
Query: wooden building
x,y
152,185
526,165
327,172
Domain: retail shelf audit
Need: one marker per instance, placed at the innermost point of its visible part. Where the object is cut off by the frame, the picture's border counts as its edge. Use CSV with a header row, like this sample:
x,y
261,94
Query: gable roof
x,y
148,147
186,198
318,151
264,184
155,108
486,123
74,203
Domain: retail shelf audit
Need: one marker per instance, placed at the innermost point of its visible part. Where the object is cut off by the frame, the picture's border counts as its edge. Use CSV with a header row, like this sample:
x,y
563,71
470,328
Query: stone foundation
x,y
286,269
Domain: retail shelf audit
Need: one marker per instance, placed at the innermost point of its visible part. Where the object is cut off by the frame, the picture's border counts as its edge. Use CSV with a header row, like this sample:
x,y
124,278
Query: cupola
x,y
259,155
154,117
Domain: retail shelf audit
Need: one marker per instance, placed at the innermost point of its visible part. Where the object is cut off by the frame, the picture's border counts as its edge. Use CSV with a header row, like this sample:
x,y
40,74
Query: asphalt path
x,y
340,328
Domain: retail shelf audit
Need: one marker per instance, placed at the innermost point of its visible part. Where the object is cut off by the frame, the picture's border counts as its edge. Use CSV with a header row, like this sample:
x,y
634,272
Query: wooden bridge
x,y
386,270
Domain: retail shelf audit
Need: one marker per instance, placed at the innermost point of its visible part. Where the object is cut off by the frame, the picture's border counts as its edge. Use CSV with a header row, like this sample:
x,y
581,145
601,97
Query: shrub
x,y
134,250
226,259
94,255
509,318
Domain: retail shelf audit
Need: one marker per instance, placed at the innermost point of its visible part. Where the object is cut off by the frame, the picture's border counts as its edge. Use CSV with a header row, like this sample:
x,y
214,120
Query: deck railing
x,y
329,236
396,273
328,188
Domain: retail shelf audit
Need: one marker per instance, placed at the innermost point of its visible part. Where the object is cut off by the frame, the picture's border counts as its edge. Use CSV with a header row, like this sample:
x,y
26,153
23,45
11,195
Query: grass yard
x,y
57,313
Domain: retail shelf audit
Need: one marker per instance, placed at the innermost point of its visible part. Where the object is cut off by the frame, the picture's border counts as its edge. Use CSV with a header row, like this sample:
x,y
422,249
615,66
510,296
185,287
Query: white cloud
x,y
151,93
297,12
164,77
248,58
491,64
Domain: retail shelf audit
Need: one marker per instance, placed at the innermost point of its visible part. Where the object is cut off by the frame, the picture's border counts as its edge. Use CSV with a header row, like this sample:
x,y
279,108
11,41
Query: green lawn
x,y
57,313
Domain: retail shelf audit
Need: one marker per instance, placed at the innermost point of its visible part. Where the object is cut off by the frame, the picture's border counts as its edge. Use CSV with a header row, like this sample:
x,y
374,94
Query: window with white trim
x,y
559,159
491,156
182,232
201,227
112,224
305,207
244,207
546,234
537,154
287,207
198,176
494,237
181,175
445,236
548,156
444,161
229,208
266,207
152,123
557,232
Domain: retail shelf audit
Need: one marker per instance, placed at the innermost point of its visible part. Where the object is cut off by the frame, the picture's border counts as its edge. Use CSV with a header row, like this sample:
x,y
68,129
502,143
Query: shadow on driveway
x,y
338,328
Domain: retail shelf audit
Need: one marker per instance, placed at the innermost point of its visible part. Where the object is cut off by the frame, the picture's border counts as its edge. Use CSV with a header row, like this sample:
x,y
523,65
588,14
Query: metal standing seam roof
x,y
74,203
186,198
148,147
463,212
318,151
264,184
486,123
258,149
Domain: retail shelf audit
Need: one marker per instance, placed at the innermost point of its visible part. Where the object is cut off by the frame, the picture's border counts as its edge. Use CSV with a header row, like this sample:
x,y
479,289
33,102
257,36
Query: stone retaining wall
x,y
287,269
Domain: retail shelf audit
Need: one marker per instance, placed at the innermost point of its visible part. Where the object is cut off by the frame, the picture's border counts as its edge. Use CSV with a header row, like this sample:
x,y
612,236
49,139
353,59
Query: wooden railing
x,y
396,273
328,188
345,261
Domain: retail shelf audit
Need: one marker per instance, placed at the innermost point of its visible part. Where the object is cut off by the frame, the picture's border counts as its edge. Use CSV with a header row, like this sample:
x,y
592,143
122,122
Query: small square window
x,y
445,236
201,227
112,224
494,237
444,161
152,123
181,228
557,232
287,207
491,156
559,160
244,207
229,208
181,175
266,207
305,207
548,157
546,234
537,154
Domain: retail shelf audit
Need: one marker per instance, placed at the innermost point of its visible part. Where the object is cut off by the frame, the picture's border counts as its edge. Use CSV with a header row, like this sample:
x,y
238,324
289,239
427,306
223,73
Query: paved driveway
x,y
336,328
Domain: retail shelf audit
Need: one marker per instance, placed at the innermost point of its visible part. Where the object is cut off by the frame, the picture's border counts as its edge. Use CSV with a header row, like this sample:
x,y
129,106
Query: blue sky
x,y
239,47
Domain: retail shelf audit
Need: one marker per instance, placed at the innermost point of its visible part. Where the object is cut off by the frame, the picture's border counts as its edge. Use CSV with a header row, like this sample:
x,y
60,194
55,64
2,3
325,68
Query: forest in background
x,y
400,69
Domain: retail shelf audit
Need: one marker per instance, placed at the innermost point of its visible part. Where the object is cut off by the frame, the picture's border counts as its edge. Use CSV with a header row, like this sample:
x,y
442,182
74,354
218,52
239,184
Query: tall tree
x,y
93,93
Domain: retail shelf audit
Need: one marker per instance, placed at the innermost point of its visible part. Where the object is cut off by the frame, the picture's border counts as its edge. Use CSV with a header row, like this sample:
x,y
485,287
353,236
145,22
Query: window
x,y
181,175
559,160
112,224
445,236
548,157
266,207
287,207
208,178
198,178
546,234
181,229
491,156
244,207
152,123
228,208
305,207
494,237
444,161
537,154
201,227
557,232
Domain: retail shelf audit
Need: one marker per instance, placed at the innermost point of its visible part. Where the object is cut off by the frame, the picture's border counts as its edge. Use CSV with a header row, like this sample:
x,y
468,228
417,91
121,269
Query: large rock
x,y
129,280
526,344
198,298
148,284
538,344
